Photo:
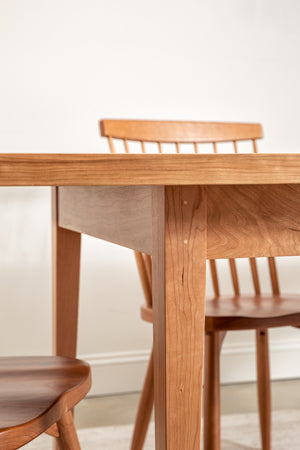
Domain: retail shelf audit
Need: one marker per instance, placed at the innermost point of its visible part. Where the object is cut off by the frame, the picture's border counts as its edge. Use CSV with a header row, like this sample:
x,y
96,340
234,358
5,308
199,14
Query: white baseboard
x,y
238,361
117,372
122,372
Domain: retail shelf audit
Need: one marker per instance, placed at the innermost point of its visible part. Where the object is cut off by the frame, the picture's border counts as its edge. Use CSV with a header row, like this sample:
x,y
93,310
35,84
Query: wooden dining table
x,y
182,209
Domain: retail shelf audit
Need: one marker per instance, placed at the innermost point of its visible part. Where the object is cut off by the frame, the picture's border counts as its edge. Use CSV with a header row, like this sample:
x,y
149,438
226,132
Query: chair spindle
x,y
254,146
235,147
214,277
111,145
126,146
255,277
234,276
273,276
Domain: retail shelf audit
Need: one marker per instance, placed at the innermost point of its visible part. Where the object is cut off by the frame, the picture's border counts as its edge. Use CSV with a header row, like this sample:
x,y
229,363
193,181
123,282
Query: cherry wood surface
x,y
68,437
241,221
66,247
253,221
248,312
179,227
18,169
179,131
178,215
212,401
118,214
145,409
264,386
35,394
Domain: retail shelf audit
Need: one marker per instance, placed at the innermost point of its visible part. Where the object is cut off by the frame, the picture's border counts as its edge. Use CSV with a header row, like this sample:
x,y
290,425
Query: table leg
x,y
179,274
65,266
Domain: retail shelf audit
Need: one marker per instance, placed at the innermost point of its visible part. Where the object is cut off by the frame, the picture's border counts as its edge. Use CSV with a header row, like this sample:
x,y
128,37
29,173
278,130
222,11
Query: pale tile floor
x,y
235,399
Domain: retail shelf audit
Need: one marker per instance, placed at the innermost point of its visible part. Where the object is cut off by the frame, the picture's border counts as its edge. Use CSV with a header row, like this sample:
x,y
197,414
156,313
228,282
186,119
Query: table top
x,y
23,169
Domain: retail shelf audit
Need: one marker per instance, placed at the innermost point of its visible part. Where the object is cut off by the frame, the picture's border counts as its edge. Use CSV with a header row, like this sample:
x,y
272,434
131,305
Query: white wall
x,y
64,65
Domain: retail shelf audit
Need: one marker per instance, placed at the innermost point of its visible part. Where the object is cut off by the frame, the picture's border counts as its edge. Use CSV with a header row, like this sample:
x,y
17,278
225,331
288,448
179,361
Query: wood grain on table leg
x,y
179,276
66,265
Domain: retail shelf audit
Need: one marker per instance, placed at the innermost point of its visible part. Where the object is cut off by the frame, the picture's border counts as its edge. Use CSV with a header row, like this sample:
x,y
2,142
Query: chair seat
x,y
36,391
246,312
252,312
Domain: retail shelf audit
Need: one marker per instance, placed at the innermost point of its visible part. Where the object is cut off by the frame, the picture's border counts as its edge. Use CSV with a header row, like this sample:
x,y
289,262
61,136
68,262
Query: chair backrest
x,y
195,133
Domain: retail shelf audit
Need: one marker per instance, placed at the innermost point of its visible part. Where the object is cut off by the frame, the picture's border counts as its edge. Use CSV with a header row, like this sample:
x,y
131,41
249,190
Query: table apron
x,y
242,220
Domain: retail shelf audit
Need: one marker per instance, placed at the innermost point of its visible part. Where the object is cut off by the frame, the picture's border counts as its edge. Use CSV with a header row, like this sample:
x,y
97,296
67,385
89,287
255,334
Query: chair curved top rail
x,y
178,131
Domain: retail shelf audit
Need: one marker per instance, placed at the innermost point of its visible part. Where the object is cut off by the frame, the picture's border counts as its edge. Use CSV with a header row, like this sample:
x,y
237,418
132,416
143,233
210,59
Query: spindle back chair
x,y
194,133
37,394
238,311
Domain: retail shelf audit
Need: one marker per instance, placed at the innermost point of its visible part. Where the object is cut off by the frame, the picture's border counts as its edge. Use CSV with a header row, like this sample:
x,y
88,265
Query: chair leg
x,y
264,387
211,415
144,410
67,439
